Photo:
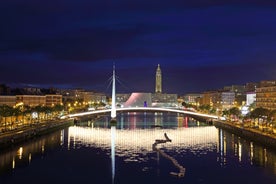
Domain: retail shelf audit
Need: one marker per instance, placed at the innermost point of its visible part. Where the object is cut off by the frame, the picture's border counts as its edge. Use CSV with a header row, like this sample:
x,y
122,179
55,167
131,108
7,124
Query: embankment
x,y
250,134
8,139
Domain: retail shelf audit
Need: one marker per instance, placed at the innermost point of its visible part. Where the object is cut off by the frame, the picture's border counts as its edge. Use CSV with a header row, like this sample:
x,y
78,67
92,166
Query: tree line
x,y
25,113
257,115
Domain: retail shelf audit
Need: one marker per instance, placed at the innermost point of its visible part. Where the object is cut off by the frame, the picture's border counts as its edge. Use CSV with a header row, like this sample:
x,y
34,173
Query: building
x,y
31,100
139,100
238,89
267,83
219,100
266,97
32,91
164,100
160,99
122,98
70,94
85,96
250,98
158,80
210,98
147,100
192,98
52,100
99,97
226,100
251,86
240,95
157,99
8,100
81,95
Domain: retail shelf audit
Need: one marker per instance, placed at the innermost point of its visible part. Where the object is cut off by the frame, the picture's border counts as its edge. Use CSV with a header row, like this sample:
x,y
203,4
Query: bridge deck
x,y
143,109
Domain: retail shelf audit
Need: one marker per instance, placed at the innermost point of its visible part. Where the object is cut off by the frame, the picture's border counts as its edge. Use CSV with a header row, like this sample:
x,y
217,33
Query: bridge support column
x,y
113,104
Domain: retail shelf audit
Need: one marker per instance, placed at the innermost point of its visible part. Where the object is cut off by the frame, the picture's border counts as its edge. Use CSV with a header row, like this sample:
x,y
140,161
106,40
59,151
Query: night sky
x,y
199,44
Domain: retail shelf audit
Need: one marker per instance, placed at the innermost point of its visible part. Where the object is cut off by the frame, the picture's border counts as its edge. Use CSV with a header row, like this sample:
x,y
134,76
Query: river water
x,y
95,152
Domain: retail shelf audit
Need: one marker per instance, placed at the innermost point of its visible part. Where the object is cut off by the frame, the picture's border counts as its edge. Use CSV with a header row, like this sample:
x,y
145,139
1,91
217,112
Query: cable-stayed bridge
x,y
114,109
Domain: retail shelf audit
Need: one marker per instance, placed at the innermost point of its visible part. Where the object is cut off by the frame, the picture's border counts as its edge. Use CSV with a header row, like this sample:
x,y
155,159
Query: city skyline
x,y
200,45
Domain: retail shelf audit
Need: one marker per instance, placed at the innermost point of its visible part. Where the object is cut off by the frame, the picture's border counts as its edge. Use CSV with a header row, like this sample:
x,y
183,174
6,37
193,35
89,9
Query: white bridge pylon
x,y
113,103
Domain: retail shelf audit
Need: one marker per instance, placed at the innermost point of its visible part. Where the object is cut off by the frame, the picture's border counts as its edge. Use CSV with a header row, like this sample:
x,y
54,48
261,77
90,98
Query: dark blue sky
x,y
200,44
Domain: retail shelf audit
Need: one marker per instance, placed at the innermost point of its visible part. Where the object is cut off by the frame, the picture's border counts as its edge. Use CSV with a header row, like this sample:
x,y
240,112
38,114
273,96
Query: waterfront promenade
x,y
24,133
261,136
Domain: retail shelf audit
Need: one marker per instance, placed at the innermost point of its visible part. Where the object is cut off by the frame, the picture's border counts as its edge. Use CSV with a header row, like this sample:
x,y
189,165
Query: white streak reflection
x,y
13,162
61,137
251,153
20,153
240,150
30,157
113,137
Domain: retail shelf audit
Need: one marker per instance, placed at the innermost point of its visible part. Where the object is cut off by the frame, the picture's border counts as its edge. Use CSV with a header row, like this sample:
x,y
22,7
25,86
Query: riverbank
x,y
10,138
252,134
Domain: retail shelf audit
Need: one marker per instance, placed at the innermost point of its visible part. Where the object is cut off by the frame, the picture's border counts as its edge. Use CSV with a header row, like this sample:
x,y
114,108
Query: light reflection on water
x,y
130,143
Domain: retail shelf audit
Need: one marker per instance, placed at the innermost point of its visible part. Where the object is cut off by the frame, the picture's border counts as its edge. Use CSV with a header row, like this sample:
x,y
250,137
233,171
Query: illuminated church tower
x,y
158,82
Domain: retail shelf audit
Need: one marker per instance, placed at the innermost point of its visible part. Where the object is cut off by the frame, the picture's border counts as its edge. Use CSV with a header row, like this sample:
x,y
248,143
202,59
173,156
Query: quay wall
x,y
21,135
251,134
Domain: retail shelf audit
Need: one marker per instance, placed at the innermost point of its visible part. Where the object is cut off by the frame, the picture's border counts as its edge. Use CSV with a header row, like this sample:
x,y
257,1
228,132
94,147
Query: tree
x,y
47,111
226,113
184,104
212,111
234,111
6,111
252,106
259,113
17,112
27,111
39,109
206,108
57,109
272,118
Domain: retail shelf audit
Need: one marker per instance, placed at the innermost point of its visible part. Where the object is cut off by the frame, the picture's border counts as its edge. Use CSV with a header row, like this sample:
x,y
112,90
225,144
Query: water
x,y
98,153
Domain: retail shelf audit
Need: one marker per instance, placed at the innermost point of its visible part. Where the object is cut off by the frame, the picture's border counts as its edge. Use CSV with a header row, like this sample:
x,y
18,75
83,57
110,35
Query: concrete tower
x,y
158,80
